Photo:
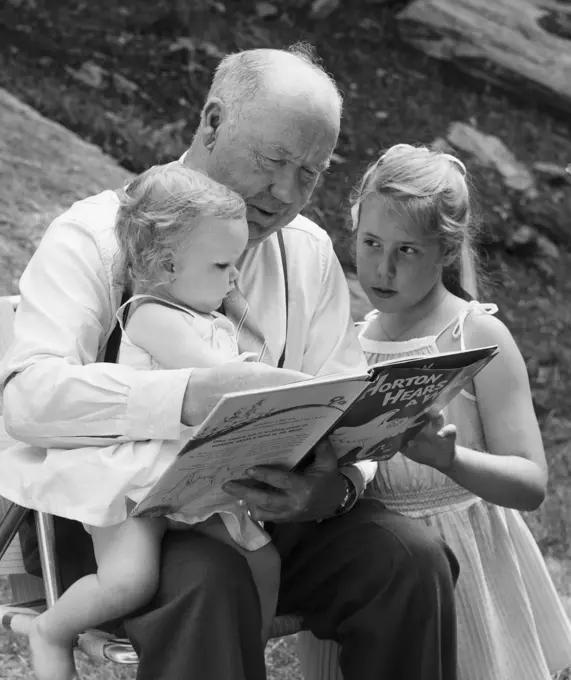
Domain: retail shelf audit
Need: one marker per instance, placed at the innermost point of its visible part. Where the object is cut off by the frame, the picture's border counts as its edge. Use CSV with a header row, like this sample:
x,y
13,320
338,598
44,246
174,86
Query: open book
x,y
367,416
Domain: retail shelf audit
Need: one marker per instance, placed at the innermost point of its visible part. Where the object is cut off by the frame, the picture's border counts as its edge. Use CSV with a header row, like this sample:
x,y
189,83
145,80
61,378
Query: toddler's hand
x,y
435,445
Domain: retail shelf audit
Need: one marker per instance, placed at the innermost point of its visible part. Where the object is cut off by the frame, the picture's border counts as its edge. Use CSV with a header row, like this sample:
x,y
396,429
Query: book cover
x,y
395,405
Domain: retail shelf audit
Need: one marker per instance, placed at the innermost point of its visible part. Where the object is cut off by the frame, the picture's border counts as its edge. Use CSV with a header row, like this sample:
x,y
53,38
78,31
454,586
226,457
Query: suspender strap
x,y
112,349
284,267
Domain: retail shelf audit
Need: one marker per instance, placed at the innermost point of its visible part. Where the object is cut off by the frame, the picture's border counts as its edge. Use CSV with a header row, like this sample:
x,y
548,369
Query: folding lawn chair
x,y
30,594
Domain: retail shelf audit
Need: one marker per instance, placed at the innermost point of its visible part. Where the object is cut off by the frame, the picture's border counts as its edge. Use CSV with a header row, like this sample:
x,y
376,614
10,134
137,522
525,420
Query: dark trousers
x,y
376,582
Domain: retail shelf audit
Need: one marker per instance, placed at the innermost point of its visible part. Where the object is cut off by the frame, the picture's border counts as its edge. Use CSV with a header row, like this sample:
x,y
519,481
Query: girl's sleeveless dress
x,y
99,485
511,623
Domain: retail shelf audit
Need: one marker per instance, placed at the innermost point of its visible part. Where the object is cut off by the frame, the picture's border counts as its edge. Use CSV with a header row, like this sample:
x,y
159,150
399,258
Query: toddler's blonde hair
x,y
157,214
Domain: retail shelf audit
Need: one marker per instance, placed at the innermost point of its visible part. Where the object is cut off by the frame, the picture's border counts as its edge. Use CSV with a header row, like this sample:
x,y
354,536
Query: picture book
x,y
366,415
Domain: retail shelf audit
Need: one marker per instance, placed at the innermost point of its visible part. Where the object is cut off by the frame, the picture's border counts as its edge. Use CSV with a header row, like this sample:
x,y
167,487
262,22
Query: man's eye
x,y
309,175
281,162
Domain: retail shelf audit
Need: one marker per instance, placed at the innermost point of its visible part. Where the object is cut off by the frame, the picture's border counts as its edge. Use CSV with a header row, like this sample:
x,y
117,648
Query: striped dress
x,y
511,623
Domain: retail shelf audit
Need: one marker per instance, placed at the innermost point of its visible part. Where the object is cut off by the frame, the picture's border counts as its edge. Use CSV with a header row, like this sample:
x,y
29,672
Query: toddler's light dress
x,y
511,623
99,485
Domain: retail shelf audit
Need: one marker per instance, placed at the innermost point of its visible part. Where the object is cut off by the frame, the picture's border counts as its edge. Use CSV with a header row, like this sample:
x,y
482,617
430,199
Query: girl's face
x,y
397,264
205,269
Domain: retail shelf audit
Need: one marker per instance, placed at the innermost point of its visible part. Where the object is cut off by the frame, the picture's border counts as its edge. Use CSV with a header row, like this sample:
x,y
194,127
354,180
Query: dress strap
x,y
361,325
121,312
457,323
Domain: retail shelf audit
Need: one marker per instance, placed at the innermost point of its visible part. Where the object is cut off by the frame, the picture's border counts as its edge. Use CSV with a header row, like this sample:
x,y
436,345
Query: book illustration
x,y
358,435
242,415
375,439
175,492
256,413
394,407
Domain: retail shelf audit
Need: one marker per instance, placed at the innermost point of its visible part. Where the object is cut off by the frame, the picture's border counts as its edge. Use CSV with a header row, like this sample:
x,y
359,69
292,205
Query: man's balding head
x,y
267,130
242,77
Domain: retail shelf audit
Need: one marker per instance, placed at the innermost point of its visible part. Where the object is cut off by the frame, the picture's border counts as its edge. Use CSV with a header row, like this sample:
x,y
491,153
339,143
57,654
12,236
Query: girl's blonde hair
x,y
430,188
158,212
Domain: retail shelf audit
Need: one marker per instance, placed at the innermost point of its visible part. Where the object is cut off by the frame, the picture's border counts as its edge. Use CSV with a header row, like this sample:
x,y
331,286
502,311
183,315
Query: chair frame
x,y
16,617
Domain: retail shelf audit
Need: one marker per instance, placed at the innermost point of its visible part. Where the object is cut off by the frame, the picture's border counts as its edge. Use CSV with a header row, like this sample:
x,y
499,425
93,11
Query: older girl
x,y
467,480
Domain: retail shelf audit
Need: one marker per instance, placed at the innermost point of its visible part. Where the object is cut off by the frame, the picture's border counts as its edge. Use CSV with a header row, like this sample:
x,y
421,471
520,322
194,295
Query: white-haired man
x,y
374,581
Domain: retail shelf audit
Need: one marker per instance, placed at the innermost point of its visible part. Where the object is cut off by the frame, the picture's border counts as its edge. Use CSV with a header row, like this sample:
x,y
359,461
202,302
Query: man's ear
x,y
213,114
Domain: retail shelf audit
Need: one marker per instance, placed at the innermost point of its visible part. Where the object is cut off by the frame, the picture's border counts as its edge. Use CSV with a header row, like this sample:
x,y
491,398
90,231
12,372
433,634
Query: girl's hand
x,y
435,445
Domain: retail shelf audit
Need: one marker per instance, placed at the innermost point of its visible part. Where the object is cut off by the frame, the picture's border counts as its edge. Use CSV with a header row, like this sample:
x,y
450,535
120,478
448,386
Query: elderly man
x,y
372,580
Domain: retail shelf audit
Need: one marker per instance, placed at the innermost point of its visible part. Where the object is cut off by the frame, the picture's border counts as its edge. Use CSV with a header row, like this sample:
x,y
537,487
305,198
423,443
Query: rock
x,y
321,9
548,216
123,85
44,168
90,74
266,9
527,240
553,173
211,50
523,238
183,43
546,269
544,375
508,43
491,152
547,248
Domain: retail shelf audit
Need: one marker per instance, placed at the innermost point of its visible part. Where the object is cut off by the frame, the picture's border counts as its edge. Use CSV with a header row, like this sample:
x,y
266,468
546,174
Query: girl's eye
x,y
371,243
222,265
409,250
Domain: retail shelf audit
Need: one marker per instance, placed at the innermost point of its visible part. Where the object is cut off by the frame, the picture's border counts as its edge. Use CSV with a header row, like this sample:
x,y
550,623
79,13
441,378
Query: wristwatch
x,y
350,498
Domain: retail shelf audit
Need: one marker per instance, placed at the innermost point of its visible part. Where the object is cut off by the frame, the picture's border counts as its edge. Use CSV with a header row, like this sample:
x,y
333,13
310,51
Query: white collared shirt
x,y
59,394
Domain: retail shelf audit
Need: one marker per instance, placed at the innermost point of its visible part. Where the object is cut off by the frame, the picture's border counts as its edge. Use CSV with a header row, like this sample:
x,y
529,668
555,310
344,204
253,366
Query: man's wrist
x,y
351,495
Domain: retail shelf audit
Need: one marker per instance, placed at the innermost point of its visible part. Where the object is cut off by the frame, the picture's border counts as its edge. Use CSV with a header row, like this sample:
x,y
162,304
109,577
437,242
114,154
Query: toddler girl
x,y
468,480
180,236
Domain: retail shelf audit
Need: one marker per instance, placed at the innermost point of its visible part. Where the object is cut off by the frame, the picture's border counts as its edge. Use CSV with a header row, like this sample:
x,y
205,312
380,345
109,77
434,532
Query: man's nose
x,y
284,186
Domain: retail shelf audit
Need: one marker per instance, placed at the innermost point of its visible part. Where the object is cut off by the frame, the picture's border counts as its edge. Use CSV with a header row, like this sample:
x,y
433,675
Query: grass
x,y
153,74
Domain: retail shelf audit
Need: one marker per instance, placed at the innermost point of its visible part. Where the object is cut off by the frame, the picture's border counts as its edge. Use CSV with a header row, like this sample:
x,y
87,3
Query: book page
x,y
273,427
395,406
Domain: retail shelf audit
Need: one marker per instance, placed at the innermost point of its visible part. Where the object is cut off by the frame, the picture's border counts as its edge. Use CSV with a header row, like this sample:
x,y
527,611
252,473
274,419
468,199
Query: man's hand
x,y
208,385
312,494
